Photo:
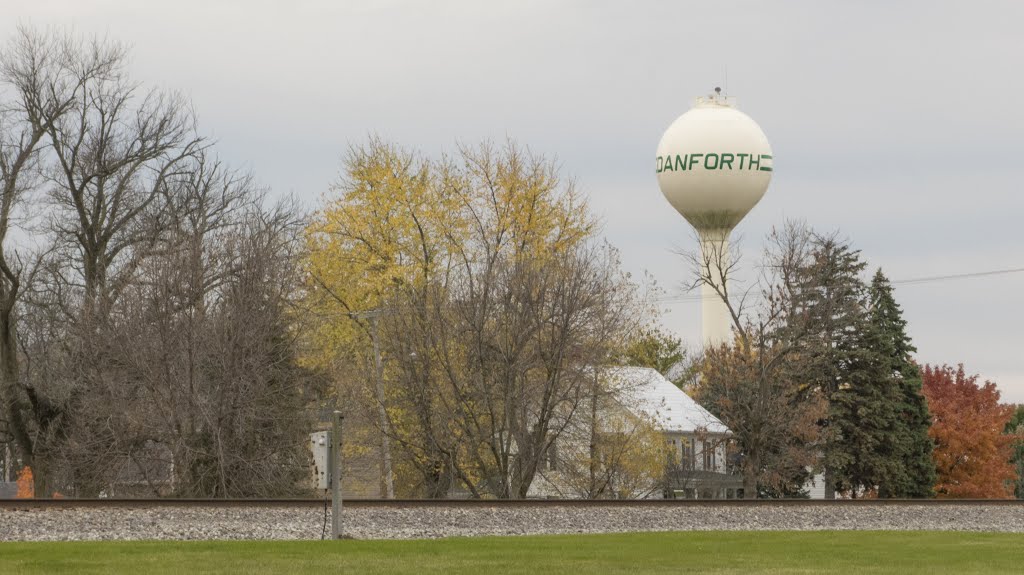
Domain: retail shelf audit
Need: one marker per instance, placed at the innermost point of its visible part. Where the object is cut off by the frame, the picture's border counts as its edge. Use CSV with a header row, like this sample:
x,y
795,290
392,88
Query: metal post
x,y
336,475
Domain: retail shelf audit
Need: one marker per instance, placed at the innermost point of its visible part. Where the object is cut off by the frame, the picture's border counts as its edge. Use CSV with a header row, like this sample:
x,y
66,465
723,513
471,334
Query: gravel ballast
x,y
367,522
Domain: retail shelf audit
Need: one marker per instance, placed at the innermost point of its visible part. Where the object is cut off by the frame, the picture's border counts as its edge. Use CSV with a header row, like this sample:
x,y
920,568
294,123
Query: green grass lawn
x,y
905,553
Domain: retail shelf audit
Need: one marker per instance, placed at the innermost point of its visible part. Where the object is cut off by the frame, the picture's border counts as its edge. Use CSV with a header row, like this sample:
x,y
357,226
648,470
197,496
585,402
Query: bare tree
x,y
148,346
112,160
200,357
758,386
43,74
115,153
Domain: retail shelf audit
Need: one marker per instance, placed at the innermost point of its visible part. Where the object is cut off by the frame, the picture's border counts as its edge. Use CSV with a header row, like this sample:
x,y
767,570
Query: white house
x,y
697,467
699,440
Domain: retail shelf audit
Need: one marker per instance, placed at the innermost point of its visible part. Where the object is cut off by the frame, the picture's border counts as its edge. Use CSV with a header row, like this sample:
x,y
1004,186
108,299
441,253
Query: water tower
x,y
714,164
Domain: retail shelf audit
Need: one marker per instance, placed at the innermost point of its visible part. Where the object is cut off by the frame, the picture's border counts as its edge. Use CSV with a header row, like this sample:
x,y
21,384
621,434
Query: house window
x,y
687,453
709,456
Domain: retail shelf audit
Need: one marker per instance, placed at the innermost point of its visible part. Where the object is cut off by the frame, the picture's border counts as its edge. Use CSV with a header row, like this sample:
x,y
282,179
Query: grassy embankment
x,y
905,553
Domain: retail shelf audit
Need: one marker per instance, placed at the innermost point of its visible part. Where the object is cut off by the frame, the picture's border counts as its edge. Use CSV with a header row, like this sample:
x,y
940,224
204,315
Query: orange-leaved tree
x,y
972,455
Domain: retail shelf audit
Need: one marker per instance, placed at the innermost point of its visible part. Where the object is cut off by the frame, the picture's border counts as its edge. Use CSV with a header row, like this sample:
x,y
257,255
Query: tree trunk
x,y
750,478
593,491
387,484
10,373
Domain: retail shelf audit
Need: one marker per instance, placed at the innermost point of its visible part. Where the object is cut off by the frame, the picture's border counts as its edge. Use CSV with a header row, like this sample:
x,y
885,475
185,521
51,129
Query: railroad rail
x,y
68,503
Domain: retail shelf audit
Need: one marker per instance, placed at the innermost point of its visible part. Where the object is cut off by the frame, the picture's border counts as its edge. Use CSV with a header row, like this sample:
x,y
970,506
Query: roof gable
x,y
647,392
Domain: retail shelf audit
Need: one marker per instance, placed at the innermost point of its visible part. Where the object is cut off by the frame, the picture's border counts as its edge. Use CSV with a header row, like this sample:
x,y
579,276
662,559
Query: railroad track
x,y
67,503
206,519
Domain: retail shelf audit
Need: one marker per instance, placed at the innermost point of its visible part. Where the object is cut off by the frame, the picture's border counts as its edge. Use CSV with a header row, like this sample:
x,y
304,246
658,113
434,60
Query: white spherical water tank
x,y
714,164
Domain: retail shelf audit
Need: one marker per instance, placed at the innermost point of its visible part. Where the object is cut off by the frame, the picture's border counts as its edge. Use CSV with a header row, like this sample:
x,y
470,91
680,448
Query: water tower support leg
x,y
716,321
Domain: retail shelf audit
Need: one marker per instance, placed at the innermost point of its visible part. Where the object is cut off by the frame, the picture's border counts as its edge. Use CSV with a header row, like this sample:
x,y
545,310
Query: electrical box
x,y
320,444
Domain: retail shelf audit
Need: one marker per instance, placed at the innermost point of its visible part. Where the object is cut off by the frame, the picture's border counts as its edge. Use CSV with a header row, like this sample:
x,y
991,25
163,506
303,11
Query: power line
x,y
957,276
908,281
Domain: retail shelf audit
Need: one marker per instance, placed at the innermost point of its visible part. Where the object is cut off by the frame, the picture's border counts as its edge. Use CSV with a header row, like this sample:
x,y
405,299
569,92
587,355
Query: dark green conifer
x,y
869,435
858,354
914,448
829,311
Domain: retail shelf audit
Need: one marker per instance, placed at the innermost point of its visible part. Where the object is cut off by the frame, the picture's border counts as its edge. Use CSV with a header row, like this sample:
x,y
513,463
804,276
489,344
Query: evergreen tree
x,y
829,314
869,439
858,356
1015,427
917,476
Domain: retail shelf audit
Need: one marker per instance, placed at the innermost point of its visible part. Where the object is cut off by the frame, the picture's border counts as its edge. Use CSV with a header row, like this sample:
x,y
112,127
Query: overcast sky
x,y
900,124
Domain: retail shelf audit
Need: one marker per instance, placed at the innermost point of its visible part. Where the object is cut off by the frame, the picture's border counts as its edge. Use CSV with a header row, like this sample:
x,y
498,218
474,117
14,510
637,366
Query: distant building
x,y
145,472
698,463
815,486
701,467
698,466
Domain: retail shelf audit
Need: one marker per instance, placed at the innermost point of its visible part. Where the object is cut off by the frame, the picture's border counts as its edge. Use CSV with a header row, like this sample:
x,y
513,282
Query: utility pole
x,y
387,482
385,441
387,486
336,475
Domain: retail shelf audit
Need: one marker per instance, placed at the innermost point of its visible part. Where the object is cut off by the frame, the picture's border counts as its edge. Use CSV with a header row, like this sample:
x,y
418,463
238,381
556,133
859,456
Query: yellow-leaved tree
x,y
475,293
384,227
382,231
